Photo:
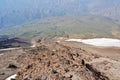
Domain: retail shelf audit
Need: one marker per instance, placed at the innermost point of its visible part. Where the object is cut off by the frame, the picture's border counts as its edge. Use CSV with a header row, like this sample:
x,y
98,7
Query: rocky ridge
x,y
58,62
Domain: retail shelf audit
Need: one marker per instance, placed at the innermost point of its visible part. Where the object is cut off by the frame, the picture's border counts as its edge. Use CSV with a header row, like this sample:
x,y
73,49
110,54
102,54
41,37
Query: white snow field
x,y
11,77
7,49
105,42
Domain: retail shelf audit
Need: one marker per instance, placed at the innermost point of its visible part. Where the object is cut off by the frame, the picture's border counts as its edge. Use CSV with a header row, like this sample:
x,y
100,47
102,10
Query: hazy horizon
x,y
15,12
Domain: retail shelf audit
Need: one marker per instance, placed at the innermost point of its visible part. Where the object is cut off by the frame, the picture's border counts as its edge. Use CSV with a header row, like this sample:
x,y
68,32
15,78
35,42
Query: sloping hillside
x,y
82,26
64,62
13,43
59,63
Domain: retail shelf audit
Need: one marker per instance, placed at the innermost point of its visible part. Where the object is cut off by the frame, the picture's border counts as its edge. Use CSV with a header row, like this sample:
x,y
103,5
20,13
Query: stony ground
x,y
60,60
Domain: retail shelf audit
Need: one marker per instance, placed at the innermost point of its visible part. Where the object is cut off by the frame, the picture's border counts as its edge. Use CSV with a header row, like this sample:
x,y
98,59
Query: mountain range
x,y
17,12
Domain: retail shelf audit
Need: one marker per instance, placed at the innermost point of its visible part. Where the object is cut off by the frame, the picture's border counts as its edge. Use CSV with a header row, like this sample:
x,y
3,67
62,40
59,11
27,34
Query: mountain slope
x,y
87,26
59,62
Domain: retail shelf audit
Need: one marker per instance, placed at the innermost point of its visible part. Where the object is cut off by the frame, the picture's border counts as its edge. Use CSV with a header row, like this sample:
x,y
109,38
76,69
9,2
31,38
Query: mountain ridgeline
x,y
15,12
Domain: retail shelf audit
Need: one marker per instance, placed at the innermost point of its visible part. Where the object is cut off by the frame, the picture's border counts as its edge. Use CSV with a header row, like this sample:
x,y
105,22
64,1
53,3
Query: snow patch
x,y
11,77
105,42
9,49
33,46
1,54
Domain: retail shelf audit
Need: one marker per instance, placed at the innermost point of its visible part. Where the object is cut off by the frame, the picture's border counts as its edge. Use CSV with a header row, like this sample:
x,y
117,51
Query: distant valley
x,y
86,18
20,12
66,26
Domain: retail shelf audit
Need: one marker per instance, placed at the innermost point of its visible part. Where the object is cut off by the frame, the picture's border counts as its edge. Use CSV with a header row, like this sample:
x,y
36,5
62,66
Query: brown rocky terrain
x,y
56,59
8,61
58,62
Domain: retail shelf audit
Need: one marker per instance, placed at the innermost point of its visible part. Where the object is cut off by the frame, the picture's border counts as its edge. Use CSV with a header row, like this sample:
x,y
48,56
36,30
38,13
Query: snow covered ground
x,y
1,54
9,49
105,42
11,77
33,46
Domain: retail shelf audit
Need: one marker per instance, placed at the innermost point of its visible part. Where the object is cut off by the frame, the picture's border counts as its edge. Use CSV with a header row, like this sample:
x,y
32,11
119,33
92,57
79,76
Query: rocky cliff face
x,y
58,62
